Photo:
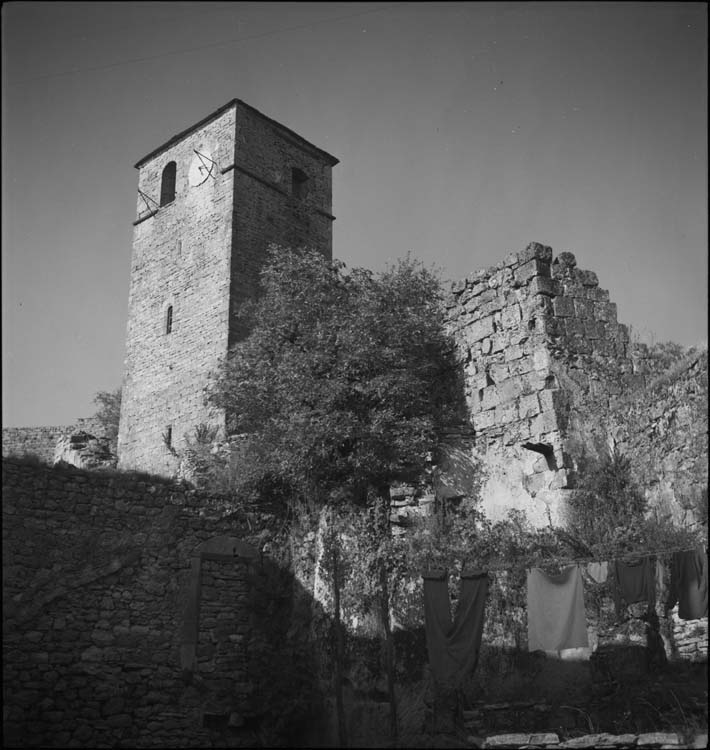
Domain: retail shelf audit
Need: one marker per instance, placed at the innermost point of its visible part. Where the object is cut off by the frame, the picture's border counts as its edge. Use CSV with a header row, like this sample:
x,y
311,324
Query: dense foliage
x,y
344,381
608,514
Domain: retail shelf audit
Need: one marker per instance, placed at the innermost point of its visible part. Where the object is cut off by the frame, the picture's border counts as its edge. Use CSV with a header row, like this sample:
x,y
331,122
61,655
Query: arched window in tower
x,y
169,319
167,184
299,183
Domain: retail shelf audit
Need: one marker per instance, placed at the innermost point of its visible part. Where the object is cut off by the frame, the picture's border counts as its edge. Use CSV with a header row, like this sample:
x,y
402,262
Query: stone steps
x,y
658,740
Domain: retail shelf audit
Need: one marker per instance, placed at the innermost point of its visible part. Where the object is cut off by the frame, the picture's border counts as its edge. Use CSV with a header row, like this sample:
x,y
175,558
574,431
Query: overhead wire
x,y
212,45
637,555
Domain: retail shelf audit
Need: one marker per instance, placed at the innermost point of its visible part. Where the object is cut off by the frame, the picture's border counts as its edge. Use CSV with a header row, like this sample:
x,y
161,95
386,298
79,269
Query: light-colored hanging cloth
x,y
598,571
556,617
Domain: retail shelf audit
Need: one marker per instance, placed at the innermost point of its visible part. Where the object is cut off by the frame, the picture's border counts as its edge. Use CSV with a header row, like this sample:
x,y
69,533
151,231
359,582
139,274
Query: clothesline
x,y
493,567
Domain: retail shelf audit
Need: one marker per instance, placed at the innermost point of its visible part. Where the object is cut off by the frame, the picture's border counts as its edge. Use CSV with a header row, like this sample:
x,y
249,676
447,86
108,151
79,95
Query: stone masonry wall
x,y
137,614
268,208
664,427
181,258
201,255
522,327
32,441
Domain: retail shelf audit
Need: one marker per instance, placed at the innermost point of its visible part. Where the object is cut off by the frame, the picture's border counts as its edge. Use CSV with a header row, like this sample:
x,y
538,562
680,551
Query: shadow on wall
x,y
139,614
104,640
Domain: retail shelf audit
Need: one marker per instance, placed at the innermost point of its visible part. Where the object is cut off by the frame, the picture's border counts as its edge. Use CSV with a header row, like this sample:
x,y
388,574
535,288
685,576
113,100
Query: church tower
x,y
210,201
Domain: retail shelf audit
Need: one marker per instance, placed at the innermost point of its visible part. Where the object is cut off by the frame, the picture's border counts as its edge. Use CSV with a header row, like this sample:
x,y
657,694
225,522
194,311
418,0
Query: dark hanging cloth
x,y
634,582
556,616
454,646
689,584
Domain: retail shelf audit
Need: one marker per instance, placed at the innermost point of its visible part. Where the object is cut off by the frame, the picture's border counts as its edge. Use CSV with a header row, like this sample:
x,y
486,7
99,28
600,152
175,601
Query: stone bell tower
x,y
210,201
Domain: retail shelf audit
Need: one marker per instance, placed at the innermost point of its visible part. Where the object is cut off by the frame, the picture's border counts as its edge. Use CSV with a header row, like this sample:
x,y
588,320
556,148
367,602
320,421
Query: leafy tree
x,y
344,380
109,412
340,389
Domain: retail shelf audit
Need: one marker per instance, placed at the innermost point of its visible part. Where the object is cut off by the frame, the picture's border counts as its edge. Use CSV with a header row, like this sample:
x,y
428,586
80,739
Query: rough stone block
x,y
541,359
511,389
544,422
595,329
502,277
543,285
479,329
492,306
529,406
499,371
507,740
658,738
529,270
520,366
458,286
477,276
565,260
498,343
548,738
602,311
513,352
574,327
511,259
490,398
563,307
506,413
535,250
515,433
484,420
583,308
587,278
511,316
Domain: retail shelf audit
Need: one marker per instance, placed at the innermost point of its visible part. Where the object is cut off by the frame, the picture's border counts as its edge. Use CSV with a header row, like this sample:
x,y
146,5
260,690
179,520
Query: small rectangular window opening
x,y
299,183
169,319
168,436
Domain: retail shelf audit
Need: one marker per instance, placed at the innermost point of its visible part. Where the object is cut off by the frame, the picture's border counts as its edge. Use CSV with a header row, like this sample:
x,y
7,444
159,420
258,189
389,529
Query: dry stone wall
x,y
664,426
110,639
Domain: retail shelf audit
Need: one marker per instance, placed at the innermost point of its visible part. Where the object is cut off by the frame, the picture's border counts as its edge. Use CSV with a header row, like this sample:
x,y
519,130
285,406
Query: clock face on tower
x,y
201,167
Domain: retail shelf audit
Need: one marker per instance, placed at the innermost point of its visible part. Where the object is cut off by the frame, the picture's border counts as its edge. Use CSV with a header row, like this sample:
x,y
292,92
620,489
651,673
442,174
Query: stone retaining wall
x,y
108,640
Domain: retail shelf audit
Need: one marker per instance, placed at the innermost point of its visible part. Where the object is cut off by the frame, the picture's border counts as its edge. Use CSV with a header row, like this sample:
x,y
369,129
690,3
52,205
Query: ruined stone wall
x,y
524,329
32,441
129,621
663,426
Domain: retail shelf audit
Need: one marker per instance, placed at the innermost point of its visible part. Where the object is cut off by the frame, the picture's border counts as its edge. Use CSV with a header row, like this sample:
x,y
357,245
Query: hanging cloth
x,y
598,571
689,584
454,646
556,617
634,582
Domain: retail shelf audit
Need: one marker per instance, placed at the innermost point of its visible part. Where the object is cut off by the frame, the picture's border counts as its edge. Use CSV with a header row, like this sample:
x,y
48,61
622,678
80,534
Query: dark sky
x,y
464,131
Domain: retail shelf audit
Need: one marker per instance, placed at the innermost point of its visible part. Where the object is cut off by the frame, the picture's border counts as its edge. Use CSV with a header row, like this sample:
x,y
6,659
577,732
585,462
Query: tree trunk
x,y
389,653
382,520
342,729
